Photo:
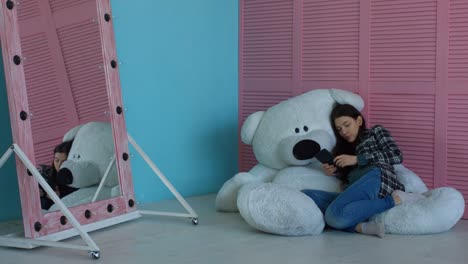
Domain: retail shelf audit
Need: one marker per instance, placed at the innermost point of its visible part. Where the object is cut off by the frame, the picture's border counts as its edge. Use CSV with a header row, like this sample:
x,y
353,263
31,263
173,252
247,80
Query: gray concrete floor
x,y
226,238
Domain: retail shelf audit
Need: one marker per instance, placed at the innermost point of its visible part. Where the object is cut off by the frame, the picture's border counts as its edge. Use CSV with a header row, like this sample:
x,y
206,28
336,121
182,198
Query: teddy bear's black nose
x,y
305,149
64,177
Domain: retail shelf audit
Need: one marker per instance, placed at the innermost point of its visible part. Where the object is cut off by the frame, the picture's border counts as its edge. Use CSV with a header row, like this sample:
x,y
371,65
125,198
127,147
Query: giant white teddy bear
x,y
88,160
285,138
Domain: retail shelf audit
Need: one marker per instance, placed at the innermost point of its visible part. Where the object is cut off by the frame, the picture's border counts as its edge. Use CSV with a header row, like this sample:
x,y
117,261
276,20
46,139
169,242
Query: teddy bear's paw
x,y
226,199
278,209
438,212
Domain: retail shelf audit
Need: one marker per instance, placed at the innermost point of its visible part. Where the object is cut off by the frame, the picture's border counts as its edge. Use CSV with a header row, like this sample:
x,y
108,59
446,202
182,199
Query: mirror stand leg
x,y
91,247
191,213
103,180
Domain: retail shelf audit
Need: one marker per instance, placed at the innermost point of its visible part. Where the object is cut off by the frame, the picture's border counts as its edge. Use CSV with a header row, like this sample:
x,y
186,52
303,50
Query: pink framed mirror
x,y
61,71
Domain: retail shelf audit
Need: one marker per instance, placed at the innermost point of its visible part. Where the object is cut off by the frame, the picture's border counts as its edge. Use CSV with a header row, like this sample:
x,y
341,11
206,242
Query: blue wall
x,y
179,83
9,194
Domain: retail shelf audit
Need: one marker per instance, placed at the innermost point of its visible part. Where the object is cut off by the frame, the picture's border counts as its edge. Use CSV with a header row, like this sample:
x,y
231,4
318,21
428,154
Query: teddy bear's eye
x,y
296,130
79,156
306,128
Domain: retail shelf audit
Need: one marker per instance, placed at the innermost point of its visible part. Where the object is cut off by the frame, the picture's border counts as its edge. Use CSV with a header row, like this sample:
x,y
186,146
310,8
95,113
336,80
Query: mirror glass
x,y
68,101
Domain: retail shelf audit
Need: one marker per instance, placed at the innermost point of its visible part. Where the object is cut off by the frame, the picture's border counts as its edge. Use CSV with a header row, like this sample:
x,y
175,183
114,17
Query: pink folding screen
x,y
407,59
65,84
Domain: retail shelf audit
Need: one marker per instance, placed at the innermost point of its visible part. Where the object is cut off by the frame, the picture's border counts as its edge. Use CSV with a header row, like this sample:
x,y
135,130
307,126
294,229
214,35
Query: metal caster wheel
x,y
195,221
95,254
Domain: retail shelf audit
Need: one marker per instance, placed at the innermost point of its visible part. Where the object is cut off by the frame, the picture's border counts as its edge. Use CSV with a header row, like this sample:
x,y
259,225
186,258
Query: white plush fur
x,y
268,197
302,177
293,212
438,212
88,159
410,180
90,154
84,195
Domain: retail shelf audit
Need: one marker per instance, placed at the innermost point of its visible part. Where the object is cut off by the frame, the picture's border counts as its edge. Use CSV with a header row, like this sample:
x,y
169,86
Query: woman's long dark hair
x,y
63,147
342,146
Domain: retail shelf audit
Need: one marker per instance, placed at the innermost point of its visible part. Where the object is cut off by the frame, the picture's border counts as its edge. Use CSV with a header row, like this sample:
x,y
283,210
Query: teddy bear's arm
x,y
226,200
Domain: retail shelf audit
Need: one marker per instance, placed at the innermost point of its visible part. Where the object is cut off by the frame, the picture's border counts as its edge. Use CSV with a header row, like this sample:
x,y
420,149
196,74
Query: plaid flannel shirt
x,y
377,147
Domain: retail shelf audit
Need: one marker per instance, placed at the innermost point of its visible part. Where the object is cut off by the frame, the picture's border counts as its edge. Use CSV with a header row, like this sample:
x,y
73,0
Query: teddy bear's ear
x,y
250,126
345,97
71,134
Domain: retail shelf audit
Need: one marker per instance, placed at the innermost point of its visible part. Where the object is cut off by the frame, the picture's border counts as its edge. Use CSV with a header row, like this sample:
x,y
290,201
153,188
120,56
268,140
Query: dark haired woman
x,y
50,175
364,160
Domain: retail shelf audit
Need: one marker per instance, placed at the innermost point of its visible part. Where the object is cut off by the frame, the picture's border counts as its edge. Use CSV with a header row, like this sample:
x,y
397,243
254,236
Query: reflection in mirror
x,y
68,100
83,168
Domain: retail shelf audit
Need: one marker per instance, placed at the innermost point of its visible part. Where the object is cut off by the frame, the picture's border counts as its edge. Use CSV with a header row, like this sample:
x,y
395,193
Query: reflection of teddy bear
x,y
89,157
285,138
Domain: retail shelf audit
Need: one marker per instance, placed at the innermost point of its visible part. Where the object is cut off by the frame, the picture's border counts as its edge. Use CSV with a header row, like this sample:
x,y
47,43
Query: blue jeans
x,y
356,204
322,199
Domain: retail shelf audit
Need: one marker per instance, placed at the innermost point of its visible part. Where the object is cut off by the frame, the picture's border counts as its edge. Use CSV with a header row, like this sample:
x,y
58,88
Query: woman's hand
x,y
345,160
329,169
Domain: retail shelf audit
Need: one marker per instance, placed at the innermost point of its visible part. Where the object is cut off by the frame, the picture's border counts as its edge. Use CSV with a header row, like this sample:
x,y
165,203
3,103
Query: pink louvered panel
x,y
45,102
330,40
64,82
411,123
44,99
458,40
258,101
403,40
43,150
82,54
265,60
253,102
457,98
457,146
49,98
57,5
248,160
28,9
267,39
56,69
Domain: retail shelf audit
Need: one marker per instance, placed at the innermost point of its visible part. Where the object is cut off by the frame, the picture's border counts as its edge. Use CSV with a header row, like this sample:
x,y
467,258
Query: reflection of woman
x,y
50,175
